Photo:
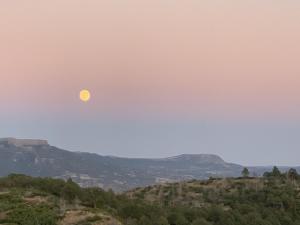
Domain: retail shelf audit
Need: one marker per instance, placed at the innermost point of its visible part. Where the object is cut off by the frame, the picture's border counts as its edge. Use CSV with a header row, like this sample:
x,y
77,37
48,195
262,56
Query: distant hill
x,y
38,158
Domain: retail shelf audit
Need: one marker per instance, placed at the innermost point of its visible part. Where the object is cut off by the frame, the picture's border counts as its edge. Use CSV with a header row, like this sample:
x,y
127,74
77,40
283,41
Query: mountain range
x,y
38,158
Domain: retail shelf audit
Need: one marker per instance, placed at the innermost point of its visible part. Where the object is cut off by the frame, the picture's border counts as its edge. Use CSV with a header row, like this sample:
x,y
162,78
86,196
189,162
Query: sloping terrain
x,y
271,200
40,159
29,201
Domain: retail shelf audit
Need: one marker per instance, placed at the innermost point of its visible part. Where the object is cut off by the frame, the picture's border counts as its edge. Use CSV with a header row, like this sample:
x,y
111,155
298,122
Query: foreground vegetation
x,y
271,200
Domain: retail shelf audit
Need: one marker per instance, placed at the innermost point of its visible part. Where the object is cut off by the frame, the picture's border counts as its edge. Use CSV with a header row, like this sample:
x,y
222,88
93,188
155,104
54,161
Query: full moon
x,y
84,95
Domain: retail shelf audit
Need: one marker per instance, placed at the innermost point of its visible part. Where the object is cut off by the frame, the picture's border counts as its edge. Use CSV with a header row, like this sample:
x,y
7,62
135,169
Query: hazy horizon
x,y
157,139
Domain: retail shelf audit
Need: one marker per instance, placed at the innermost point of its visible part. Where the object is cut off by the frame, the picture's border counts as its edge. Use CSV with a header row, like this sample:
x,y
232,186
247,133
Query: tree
x,y
70,191
245,172
276,172
215,214
93,197
162,221
200,222
177,218
292,174
144,221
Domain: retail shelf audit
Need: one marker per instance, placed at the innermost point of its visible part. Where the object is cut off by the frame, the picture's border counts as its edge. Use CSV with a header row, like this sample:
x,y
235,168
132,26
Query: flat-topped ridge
x,y
23,142
198,157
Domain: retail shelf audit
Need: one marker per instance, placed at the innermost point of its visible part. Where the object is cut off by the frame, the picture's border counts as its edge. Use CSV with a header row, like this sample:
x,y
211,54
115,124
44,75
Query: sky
x,y
166,77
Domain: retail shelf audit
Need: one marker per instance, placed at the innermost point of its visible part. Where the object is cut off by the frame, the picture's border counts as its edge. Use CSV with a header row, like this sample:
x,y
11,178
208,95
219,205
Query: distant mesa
x,y
23,142
209,158
39,159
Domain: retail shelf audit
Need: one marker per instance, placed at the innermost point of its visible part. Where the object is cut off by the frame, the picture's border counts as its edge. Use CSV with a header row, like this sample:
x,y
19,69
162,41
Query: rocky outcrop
x,y
23,142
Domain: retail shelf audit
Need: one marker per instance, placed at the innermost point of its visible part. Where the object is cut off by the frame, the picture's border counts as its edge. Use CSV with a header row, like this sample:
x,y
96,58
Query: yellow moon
x,y
84,95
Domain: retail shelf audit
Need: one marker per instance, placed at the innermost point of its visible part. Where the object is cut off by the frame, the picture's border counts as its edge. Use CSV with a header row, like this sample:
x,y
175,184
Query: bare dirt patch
x,y
35,200
72,217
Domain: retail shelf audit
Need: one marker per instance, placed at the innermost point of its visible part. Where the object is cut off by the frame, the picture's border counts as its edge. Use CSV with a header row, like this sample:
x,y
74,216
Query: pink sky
x,y
223,58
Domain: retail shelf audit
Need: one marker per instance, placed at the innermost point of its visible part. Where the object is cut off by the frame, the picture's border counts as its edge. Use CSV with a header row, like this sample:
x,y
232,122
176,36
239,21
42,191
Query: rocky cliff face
x,y
23,142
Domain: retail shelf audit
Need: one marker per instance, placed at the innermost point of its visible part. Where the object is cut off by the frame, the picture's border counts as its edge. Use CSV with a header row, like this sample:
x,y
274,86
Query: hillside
x,y
38,158
271,200
35,201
